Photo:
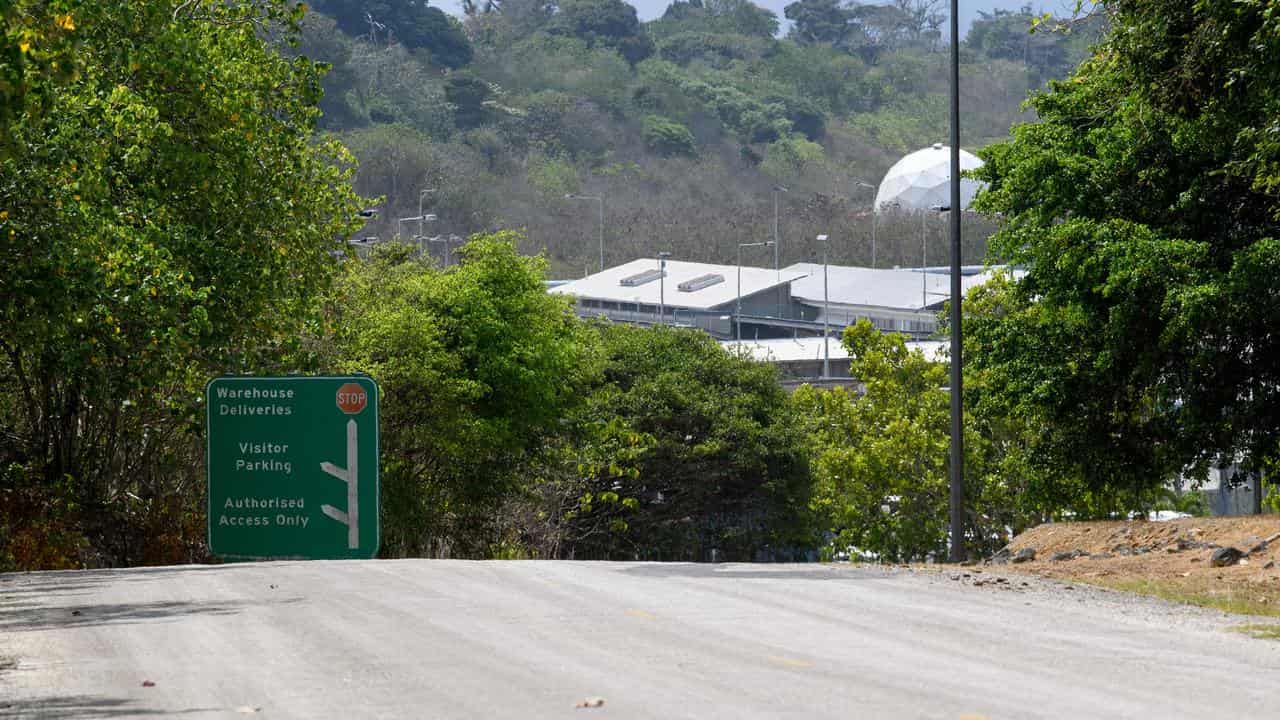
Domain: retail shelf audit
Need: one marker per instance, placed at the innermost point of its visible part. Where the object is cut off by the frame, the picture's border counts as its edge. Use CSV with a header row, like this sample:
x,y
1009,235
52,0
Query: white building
x,y
897,300
802,357
690,294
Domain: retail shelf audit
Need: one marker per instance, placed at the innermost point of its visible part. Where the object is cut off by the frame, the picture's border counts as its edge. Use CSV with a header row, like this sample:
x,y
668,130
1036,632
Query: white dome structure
x,y
922,180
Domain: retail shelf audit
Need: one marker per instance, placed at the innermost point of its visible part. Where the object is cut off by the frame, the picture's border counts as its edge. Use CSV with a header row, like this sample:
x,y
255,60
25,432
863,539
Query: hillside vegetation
x,y
683,124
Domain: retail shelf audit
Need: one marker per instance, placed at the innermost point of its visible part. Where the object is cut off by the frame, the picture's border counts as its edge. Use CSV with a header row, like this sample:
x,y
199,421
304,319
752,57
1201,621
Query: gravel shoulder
x,y
454,639
1231,563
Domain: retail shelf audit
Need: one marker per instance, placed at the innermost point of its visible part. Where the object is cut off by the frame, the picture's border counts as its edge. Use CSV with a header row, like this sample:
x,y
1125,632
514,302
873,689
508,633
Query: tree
x,y
740,17
36,53
414,23
1017,36
689,448
478,365
170,216
667,137
612,23
880,457
818,21
1143,207
466,95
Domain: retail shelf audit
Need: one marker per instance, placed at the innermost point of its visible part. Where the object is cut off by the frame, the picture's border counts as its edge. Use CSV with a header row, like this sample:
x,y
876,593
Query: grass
x,y
1262,631
1234,600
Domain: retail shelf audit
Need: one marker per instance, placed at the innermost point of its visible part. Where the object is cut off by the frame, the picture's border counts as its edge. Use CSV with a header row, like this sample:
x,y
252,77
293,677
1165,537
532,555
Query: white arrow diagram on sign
x,y
350,518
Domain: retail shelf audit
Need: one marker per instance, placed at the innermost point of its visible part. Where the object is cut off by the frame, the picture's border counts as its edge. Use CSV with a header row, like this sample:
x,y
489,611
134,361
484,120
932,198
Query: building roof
x,y
608,285
900,289
810,348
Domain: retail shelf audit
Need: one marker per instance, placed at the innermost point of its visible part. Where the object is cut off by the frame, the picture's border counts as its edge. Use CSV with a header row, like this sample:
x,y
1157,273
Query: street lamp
x,y
777,243
421,219
924,253
422,195
738,312
957,376
662,287
599,199
872,188
826,313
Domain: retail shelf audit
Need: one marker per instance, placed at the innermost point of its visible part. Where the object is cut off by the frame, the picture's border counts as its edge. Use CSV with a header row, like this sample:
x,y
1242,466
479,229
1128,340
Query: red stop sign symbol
x,y
352,398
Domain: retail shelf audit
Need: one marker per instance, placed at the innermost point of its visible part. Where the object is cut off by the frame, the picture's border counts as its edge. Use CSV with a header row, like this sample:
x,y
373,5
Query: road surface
x,y
456,639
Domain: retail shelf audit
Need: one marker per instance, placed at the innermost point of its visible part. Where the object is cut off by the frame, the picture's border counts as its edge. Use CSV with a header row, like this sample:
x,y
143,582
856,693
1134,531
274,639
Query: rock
x,y
1059,557
1024,555
1000,558
1270,564
1101,556
1259,548
1223,557
1123,550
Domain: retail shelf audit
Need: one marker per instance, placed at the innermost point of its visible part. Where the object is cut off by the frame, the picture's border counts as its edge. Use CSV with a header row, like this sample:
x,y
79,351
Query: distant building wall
x,y
1243,499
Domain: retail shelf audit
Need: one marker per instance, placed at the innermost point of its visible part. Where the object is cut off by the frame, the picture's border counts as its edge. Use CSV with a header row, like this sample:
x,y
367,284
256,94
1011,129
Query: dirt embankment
x,y
1186,556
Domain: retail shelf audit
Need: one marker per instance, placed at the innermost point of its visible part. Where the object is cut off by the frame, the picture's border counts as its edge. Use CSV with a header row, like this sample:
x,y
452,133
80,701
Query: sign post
x,y
273,448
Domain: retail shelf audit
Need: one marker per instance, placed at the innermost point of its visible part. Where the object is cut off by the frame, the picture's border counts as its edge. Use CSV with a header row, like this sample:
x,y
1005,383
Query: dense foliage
x,y
477,365
166,213
690,453
1143,206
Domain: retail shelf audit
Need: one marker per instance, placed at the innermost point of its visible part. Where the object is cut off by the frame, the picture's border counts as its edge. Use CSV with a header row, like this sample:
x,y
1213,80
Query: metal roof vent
x,y
638,279
702,281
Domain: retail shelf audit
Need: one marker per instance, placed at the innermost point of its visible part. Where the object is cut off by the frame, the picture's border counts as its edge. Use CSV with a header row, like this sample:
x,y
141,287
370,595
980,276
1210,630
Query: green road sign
x,y
293,467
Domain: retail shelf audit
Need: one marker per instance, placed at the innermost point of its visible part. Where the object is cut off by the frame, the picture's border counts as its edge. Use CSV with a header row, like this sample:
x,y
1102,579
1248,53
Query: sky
x,y
650,9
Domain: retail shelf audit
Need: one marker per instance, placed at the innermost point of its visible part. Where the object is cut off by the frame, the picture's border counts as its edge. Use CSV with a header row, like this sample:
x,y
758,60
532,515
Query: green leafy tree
x,y
415,24
689,449
1143,207
790,157
37,42
169,216
467,95
478,365
667,137
612,23
819,21
739,17
880,457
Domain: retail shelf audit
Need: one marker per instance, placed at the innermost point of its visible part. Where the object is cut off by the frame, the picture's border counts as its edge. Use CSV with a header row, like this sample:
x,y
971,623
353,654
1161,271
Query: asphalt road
x,y
453,639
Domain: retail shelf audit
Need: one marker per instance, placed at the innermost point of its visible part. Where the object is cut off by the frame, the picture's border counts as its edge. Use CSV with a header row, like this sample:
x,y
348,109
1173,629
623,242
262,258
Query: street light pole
x,y
777,271
924,259
872,188
599,199
957,376
737,313
662,287
826,313
421,195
